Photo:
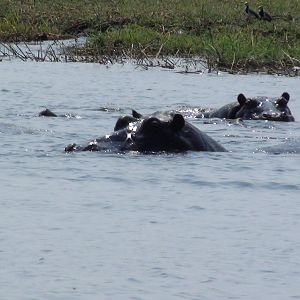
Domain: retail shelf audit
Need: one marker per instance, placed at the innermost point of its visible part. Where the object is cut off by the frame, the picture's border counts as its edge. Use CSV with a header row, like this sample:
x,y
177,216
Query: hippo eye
x,y
281,102
151,125
252,103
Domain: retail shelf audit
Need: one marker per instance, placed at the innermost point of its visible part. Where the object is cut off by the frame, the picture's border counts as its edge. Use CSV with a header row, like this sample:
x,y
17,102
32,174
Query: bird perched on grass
x,y
264,15
250,12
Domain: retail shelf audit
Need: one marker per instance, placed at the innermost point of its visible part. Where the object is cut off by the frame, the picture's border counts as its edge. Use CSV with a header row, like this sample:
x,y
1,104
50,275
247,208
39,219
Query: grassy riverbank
x,y
218,31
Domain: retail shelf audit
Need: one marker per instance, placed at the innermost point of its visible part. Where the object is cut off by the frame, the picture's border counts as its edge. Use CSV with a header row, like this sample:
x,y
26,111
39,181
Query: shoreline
x,y
222,35
73,50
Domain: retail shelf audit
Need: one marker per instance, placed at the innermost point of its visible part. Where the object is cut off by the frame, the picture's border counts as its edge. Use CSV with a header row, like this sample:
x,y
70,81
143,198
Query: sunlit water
x,y
133,226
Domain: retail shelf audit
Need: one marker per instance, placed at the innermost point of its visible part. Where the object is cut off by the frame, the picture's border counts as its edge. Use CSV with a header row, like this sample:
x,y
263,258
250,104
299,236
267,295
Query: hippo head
x,y
262,108
154,135
47,113
124,121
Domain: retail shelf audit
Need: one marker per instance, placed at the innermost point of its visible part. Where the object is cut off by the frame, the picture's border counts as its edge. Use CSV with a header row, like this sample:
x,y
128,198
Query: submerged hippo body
x,y
153,134
47,113
258,108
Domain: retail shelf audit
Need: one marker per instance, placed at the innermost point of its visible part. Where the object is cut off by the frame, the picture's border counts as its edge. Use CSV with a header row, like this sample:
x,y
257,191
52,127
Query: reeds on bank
x,y
218,31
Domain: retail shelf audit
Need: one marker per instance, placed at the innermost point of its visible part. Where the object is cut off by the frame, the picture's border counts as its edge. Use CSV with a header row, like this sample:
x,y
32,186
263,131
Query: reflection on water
x,y
134,226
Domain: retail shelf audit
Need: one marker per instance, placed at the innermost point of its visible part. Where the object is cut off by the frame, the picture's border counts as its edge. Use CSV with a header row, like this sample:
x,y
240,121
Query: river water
x,y
133,226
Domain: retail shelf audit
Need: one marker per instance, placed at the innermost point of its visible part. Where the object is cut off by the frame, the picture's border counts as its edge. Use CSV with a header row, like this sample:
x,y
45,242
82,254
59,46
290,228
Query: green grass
x,y
212,29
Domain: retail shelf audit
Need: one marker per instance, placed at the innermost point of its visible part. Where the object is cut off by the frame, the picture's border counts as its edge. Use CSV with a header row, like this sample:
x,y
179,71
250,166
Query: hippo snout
x,y
271,116
275,116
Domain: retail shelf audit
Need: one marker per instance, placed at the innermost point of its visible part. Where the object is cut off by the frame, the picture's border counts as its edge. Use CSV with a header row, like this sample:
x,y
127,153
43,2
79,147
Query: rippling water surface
x,y
134,226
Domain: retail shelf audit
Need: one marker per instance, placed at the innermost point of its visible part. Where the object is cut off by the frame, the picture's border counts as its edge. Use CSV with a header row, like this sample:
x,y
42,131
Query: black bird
x,y
250,12
264,15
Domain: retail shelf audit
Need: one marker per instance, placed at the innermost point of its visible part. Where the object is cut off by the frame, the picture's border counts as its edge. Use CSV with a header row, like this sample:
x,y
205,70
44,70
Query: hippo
x,y
258,108
168,133
47,113
124,121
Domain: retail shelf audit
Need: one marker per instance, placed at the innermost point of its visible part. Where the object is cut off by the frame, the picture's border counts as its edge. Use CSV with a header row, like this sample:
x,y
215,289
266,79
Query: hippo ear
x,y
286,96
241,99
283,100
177,122
136,115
